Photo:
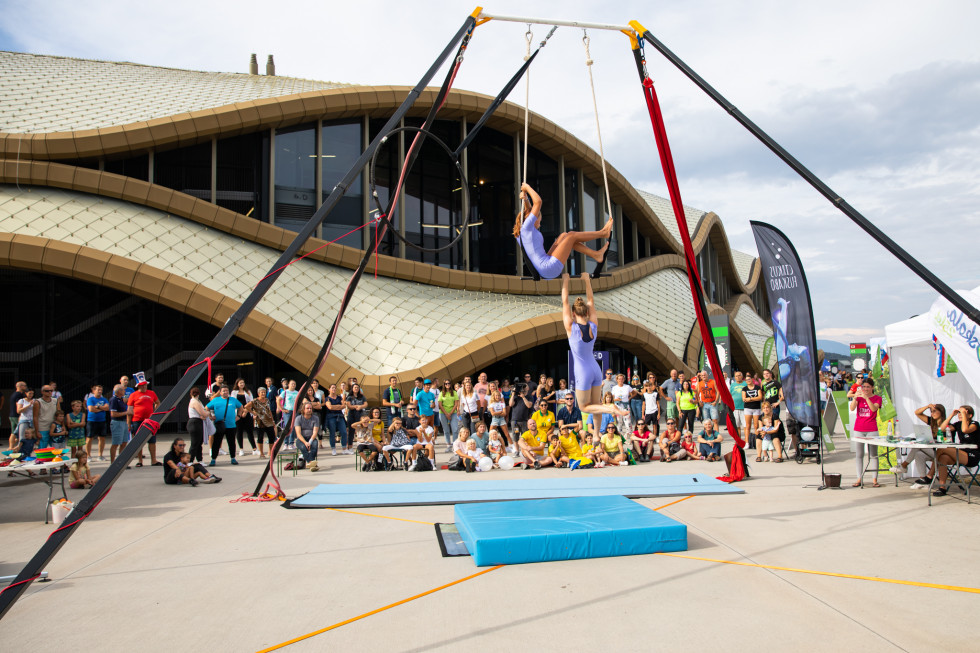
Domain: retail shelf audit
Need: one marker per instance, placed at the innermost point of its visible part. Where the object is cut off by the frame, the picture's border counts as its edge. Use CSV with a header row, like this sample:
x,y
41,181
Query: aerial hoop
x,y
462,228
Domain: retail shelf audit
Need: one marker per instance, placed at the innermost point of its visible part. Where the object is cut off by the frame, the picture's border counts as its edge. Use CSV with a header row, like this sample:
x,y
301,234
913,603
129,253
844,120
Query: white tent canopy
x,y
912,363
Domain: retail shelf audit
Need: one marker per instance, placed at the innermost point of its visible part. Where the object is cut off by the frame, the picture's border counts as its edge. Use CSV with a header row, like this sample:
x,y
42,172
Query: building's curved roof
x,y
57,94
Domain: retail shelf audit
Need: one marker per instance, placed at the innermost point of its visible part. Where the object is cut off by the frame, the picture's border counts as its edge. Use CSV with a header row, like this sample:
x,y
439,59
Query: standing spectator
x,y
866,403
738,405
44,409
520,412
118,422
752,400
426,401
392,400
668,390
687,402
482,389
263,413
412,401
196,414
224,412
142,404
20,390
307,427
76,428
127,390
356,405
621,397
636,398
651,406
531,386
545,421
448,403
335,424
708,397
287,400
560,393
772,391
243,427
607,384
569,415
25,415
469,405
98,407
551,394
56,395
215,388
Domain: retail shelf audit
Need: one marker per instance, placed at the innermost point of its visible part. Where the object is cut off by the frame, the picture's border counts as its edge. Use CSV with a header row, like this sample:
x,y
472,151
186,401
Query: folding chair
x,y
972,475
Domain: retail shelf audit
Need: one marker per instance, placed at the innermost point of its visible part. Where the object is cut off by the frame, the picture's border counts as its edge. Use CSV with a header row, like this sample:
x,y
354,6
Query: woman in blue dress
x,y
551,263
582,328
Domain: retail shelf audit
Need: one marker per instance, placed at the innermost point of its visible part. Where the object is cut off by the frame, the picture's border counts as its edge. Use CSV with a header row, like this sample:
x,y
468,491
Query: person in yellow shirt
x,y
545,420
611,447
590,452
532,446
569,441
556,455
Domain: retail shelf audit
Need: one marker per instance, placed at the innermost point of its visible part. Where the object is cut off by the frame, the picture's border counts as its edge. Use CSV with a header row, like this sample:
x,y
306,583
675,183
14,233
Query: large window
x,y
243,174
493,247
186,169
137,167
628,241
295,189
572,217
340,147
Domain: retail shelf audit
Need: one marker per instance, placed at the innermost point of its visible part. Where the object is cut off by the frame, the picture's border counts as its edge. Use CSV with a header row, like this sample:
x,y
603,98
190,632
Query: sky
x,y
881,100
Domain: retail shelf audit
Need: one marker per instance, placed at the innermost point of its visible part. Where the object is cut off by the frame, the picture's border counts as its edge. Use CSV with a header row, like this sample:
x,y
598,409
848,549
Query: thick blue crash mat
x,y
513,532
475,490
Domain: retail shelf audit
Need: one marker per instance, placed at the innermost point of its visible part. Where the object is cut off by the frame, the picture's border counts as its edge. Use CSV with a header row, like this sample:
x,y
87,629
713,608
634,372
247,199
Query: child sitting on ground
x,y
495,447
81,477
588,450
471,456
690,446
556,454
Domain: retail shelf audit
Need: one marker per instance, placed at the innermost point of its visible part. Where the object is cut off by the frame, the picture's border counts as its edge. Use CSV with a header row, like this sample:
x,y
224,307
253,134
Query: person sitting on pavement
x,y
532,446
306,428
556,454
471,456
589,450
709,441
643,441
569,414
670,443
174,474
690,447
81,477
569,440
611,450
495,447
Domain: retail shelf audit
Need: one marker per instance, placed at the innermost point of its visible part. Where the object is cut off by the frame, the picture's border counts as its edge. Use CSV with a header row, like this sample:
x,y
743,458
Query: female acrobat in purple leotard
x,y
582,328
551,263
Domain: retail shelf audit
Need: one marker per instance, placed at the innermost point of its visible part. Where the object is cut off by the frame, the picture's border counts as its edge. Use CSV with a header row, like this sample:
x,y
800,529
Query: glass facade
x,y
243,173
493,188
295,180
340,145
186,169
137,167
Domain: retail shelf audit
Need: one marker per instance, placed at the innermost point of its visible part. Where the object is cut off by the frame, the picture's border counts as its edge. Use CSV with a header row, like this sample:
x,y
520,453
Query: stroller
x,y
807,446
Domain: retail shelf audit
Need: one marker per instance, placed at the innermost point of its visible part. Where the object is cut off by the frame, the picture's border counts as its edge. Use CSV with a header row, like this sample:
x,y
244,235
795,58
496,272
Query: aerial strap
x,y
601,265
738,469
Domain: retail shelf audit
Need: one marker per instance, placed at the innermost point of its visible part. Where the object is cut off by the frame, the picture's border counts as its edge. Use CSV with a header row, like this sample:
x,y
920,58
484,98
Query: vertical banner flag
x,y
792,321
957,336
767,348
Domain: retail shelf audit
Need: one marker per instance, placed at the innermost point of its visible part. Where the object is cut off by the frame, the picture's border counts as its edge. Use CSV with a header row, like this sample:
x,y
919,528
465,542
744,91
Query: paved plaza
x,y
162,568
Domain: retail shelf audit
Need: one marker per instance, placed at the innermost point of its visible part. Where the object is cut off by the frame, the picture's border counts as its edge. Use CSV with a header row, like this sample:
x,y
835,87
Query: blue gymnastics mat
x,y
515,532
475,490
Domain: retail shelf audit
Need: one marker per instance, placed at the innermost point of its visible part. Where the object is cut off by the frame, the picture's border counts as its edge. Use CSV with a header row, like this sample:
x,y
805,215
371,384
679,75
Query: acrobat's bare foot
x,y
600,253
607,230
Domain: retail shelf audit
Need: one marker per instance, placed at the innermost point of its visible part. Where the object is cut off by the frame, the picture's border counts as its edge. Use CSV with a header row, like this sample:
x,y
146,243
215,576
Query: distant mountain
x,y
833,347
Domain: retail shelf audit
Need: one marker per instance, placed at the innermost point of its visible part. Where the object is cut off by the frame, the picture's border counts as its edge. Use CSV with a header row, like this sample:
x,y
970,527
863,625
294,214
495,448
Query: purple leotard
x,y
533,243
586,369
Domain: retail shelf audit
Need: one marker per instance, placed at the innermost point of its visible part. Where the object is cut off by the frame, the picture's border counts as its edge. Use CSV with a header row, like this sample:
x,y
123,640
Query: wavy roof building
x,y
140,205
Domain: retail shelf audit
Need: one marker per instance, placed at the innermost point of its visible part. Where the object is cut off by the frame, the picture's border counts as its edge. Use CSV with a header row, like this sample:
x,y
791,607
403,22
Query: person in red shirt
x,y
141,404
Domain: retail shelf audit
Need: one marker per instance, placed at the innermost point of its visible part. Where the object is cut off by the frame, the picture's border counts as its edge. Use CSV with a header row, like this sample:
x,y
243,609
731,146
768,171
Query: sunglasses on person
x,y
669,423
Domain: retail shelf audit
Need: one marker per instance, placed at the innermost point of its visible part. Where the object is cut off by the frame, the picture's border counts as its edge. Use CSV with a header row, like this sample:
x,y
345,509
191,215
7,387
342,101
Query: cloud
x,y
850,334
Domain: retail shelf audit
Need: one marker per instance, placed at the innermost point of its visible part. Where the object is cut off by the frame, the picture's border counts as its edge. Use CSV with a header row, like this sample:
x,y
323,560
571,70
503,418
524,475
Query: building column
x,y
272,176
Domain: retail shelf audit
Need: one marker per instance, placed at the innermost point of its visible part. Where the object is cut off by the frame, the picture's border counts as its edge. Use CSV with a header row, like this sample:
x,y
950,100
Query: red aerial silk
x,y
737,469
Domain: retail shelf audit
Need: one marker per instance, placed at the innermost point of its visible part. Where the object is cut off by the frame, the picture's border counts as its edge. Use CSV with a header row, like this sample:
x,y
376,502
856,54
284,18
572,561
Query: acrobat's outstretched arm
x,y
527,191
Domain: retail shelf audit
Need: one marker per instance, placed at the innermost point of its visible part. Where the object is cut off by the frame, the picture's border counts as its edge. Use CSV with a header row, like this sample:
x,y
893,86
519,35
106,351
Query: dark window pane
x,y
295,176
243,174
571,216
341,145
493,248
137,167
186,169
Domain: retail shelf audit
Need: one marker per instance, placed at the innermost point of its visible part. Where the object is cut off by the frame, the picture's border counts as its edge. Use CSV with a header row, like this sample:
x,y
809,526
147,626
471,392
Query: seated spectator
x,y
306,428
570,442
933,415
689,446
481,435
967,432
709,441
459,448
556,454
28,440
471,456
425,442
611,451
398,440
643,441
532,446
495,447
670,443
81,477
366,446
589,451
190,473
